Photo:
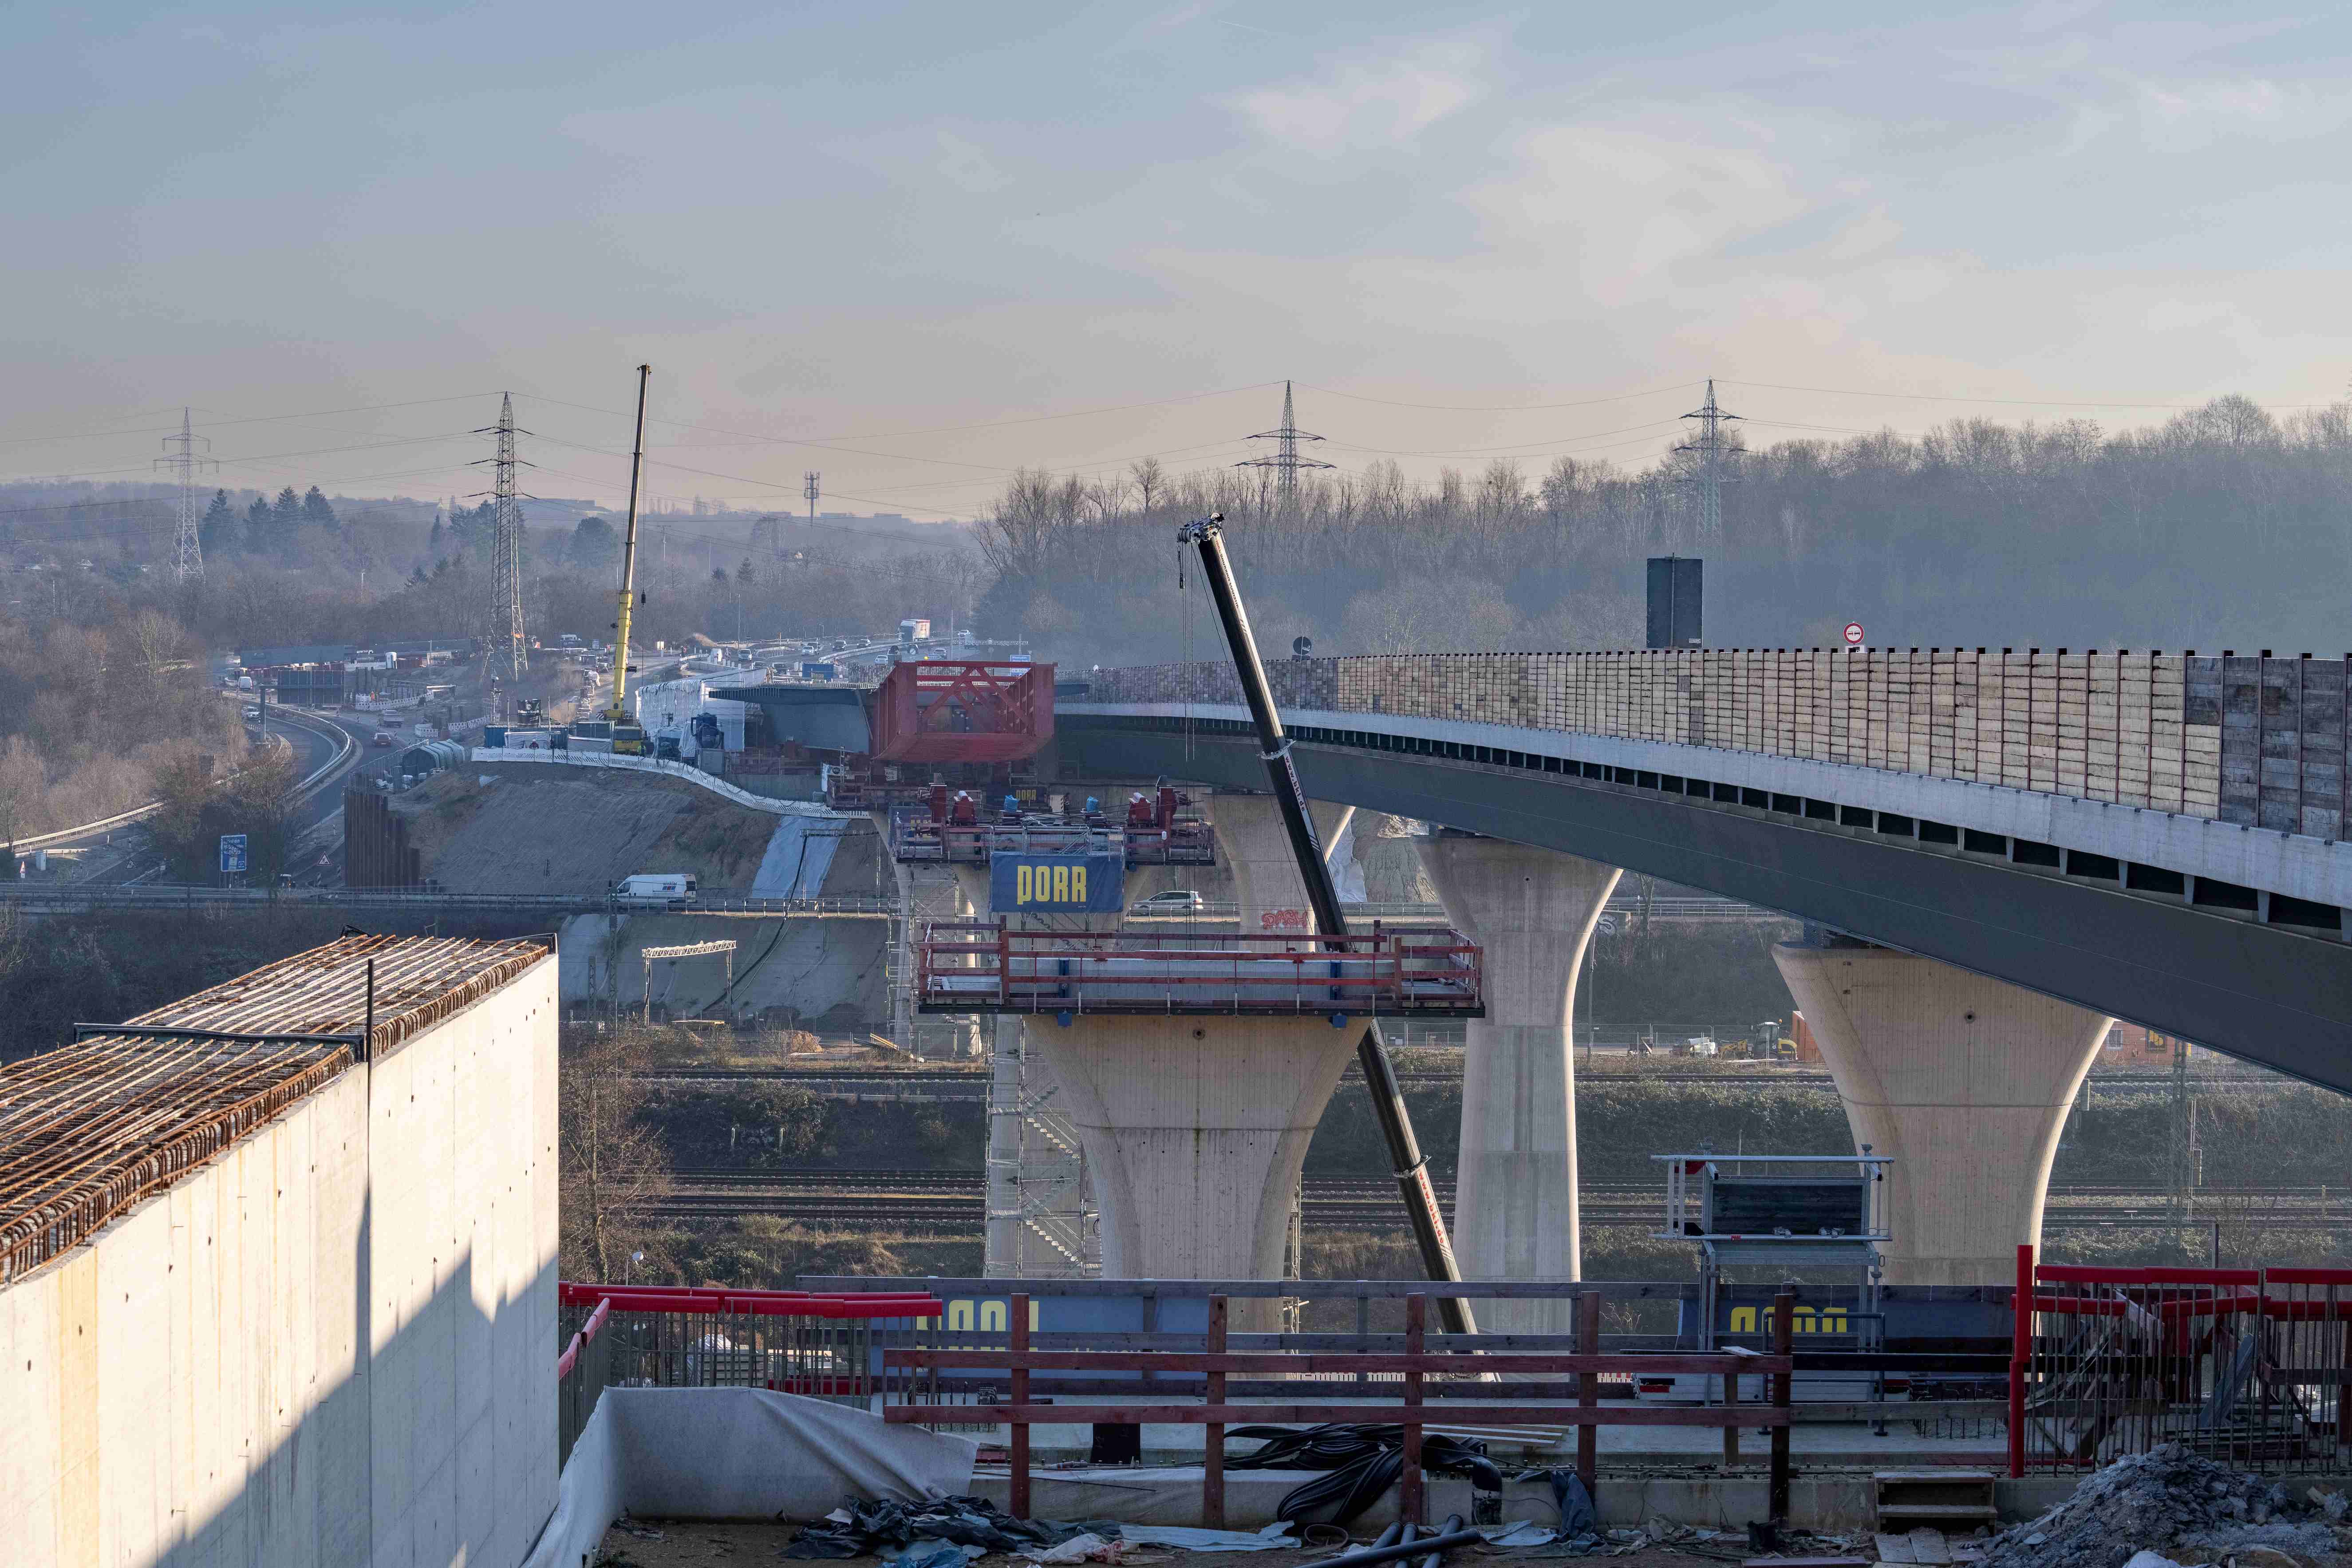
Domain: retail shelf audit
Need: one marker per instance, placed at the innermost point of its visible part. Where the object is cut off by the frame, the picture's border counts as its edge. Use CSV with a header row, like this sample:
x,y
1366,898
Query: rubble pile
x,y
2182,1507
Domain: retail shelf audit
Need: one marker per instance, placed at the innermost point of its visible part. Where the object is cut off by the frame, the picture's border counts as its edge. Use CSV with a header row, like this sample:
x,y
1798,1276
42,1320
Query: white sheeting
x,y
735,1453
796,860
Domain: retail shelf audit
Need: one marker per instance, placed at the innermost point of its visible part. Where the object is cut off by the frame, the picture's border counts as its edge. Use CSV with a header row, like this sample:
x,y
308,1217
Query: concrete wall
x,y
331,1344
816,966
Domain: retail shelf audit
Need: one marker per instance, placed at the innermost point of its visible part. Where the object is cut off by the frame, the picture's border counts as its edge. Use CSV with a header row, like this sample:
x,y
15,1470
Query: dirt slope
x,y
551,830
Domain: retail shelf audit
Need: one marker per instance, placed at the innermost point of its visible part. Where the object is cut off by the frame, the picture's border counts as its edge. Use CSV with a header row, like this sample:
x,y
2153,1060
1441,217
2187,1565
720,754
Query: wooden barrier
x,y
1414,1412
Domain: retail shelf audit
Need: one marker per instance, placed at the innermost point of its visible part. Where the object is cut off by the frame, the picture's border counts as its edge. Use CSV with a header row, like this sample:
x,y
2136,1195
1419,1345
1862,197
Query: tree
x,y
316,511
256,524
216,533
433,541
609,1159
594,546
1149,480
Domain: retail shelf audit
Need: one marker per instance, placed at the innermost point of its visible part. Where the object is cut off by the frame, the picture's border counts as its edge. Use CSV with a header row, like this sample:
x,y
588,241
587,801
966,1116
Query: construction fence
x,y
2251,1367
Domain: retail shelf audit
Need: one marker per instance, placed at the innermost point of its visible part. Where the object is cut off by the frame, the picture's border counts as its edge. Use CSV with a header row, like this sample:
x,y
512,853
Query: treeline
x,y
91,711
2221,527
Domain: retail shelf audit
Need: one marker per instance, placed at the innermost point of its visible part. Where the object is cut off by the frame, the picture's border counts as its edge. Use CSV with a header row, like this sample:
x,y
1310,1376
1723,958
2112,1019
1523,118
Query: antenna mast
x,y
510,657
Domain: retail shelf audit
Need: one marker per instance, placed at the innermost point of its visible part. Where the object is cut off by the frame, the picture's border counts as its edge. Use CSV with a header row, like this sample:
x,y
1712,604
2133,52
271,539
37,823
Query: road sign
x,y
232,853
1854,634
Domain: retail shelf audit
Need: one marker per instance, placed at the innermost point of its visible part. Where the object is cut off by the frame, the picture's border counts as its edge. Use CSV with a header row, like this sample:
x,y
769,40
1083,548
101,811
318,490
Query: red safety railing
x,y
2252,1366
1427,1379
971,967
828,1347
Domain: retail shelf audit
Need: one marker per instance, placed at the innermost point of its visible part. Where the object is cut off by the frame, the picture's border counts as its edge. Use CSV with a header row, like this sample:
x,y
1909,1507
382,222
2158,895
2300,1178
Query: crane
x,y
628,735
1405,1158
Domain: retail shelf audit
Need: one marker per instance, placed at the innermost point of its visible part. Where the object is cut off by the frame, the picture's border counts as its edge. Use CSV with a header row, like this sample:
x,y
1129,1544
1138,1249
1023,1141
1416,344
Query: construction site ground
x,y
528,832
700,1544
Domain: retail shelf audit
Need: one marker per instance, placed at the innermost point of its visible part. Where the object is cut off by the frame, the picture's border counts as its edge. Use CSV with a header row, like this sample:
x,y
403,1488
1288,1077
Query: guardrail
x,y
71,898
1453,1373
310,785
965,966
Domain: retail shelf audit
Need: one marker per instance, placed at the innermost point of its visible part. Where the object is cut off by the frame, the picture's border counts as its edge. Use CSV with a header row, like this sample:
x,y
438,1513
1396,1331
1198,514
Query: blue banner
x,y
1055,884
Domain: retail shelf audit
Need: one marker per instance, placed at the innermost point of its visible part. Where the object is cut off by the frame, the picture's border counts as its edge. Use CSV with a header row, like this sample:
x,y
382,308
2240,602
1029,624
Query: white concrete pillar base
x,y
1964,1082
1515,1198
1195,1131
1256,848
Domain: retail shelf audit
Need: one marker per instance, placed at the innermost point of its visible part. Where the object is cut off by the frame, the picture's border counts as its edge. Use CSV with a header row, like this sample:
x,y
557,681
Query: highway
x,y
953,1202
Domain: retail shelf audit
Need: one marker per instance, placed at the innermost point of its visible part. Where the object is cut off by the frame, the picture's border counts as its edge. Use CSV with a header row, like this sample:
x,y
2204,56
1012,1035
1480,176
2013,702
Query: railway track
x,y
955,1201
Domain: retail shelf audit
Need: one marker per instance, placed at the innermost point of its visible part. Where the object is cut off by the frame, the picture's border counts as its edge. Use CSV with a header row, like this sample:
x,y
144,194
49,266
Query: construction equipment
x,y
628,735
1412,1167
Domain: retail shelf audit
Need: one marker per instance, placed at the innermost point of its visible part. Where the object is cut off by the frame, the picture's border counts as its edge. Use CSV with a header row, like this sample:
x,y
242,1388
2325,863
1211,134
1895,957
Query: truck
x,y
655,889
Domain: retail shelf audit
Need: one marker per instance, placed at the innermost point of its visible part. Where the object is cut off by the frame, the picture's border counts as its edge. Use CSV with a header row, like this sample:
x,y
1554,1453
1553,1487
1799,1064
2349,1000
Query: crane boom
x,y
633,742
1412,1167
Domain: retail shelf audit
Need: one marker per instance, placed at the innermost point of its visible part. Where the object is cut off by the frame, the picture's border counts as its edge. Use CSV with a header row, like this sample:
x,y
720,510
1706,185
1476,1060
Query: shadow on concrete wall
x,y
438,1447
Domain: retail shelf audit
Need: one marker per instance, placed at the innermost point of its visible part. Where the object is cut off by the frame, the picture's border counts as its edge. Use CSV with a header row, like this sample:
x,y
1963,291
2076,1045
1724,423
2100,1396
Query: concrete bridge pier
x,y
1964,1082
1195,1129
1256,848
1514,1197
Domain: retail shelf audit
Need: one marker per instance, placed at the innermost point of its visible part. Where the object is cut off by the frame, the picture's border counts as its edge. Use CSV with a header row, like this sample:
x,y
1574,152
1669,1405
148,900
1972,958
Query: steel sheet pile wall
x,y
278,1300
2256,741
376,851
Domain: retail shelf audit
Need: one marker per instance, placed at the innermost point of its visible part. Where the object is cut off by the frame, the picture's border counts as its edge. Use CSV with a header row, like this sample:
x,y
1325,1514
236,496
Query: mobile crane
x,y
1405,1158
628,735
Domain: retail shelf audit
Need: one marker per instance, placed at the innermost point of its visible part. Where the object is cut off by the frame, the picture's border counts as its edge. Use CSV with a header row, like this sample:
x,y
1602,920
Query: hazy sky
x,y
852,223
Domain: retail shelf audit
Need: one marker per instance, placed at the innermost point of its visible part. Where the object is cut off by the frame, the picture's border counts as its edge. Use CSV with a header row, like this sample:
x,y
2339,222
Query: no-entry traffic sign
x,y
1854,634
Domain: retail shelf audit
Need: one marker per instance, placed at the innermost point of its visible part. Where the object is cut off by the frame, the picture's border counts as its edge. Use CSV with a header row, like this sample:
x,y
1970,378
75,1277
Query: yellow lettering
x,y
1077,884
991,1317
1020,885
1743,1320
1061,884
960,1315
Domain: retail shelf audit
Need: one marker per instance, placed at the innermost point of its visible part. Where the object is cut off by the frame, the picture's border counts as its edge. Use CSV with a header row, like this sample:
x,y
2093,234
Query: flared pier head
x,y
1195,1130
1256,850
1964,1082
1515,1199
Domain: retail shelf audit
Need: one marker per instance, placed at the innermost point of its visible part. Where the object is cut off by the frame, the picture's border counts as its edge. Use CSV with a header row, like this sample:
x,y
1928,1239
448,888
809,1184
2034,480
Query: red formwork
x,y
2251,1366
963,710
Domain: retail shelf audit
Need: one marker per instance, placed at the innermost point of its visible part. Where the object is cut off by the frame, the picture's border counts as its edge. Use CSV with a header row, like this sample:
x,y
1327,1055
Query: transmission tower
x,y
1285,462
188,556
509,657
1711,449
811,488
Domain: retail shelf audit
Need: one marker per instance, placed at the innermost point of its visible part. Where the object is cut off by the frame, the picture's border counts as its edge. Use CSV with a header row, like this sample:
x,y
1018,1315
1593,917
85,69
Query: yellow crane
x,y
628,735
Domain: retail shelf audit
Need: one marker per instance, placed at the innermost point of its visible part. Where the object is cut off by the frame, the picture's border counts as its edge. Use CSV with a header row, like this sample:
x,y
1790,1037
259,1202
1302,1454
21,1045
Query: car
x,y
1174,901
253,712
384,740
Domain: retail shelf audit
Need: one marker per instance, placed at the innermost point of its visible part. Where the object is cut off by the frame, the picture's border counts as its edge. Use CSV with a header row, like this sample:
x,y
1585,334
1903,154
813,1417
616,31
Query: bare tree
x,y
610,1162
1149,481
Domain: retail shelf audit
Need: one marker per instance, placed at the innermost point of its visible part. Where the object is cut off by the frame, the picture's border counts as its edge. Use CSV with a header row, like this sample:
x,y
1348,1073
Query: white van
x,y
656,890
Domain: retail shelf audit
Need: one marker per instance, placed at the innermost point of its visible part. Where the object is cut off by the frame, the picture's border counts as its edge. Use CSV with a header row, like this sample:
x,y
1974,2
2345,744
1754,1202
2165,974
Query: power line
x,y
1710,449
1285,462
511,658
188,556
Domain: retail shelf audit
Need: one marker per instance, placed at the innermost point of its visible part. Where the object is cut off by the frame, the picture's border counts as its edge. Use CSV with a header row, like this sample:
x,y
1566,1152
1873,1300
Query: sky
x,y
917,246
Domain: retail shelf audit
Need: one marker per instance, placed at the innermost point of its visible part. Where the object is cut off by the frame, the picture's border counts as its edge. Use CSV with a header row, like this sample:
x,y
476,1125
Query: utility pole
x,y
1285,462
1710,449
509,657
188,553
812,489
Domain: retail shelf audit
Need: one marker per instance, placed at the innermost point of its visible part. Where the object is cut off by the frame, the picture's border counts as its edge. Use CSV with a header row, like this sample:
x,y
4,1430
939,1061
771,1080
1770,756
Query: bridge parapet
x,y
2254,741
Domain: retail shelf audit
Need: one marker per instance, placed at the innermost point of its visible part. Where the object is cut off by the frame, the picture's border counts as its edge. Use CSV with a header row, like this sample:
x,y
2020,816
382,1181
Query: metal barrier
x,y
826,1347
2251,1366
1423,1373
984,966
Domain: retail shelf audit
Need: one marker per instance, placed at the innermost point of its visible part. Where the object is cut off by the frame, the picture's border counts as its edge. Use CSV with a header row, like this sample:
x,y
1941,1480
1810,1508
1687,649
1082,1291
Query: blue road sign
x,y
232,853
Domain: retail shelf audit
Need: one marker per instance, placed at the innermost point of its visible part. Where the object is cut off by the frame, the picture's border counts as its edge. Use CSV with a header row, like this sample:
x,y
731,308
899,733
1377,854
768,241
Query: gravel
x,y
2182,1505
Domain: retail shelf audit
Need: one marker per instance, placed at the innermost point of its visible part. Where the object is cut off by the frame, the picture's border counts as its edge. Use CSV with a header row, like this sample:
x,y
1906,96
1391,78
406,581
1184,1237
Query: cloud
x,y
967,167
1366,106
